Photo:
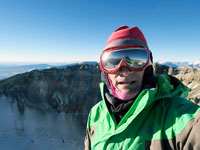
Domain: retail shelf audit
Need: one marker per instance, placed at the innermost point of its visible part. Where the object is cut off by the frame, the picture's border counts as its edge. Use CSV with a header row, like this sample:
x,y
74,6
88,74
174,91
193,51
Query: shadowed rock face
x,y
73,89
49,107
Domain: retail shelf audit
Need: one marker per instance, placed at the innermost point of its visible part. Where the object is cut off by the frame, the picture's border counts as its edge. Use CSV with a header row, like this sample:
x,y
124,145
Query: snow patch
x,y
35,130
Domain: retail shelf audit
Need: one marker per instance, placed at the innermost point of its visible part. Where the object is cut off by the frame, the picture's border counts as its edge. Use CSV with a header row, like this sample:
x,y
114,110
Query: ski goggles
x,y
136,59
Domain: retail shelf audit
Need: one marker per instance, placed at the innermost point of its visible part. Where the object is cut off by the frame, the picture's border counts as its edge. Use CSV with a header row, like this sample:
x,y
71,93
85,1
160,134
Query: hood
x,y
169,86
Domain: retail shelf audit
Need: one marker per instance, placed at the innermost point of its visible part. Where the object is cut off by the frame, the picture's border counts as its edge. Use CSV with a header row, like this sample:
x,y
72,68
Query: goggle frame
x,y
123,62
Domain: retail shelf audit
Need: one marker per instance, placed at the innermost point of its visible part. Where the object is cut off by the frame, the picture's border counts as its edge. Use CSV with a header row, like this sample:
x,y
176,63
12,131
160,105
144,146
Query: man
x,y
139,110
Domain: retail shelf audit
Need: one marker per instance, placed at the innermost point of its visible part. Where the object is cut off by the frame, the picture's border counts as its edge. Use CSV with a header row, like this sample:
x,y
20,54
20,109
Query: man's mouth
x,y
126,82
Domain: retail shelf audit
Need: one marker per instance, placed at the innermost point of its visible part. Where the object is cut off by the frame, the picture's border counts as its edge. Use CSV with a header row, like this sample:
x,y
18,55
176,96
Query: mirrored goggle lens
x,y
135,58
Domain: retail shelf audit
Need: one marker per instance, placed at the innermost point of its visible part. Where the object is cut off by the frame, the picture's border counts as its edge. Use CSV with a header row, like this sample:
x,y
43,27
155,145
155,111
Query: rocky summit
x,y
53,104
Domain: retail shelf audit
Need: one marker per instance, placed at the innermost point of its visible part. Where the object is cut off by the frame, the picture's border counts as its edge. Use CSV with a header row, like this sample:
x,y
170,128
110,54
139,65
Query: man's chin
x,y
125,91
128,90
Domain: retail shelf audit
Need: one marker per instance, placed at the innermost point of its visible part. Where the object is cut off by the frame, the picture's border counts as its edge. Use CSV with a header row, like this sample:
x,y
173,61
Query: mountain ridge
x,y
195,65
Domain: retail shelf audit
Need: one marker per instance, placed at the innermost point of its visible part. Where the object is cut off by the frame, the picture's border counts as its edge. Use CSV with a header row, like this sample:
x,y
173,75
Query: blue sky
x,y
77,30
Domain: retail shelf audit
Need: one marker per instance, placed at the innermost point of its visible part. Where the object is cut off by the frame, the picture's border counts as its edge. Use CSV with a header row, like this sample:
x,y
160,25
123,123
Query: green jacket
x,y
159,118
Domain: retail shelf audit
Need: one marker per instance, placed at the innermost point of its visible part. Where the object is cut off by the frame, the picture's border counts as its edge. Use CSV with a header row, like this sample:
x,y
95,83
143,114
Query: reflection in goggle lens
x,y
136,58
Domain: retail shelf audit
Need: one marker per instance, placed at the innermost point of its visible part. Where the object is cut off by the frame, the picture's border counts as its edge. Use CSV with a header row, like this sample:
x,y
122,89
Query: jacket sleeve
x,y
87,142
90,133
188,115
191,137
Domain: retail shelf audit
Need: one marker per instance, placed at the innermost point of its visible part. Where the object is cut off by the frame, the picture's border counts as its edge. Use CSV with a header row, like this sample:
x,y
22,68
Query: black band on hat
x,y
126,42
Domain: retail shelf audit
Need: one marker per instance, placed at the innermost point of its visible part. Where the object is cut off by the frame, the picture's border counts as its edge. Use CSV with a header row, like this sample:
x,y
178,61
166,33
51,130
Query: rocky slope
x,y
48,105
70,89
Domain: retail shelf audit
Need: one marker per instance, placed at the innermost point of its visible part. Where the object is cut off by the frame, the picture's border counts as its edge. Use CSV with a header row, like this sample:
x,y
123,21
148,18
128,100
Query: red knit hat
x,y
125,37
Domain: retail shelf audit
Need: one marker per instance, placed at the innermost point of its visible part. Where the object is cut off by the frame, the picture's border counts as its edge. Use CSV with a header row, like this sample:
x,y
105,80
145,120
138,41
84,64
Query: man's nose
x,y
124,70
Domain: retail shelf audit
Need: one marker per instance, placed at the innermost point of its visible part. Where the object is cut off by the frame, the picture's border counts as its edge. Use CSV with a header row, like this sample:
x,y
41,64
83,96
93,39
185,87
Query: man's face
x,y
126,81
